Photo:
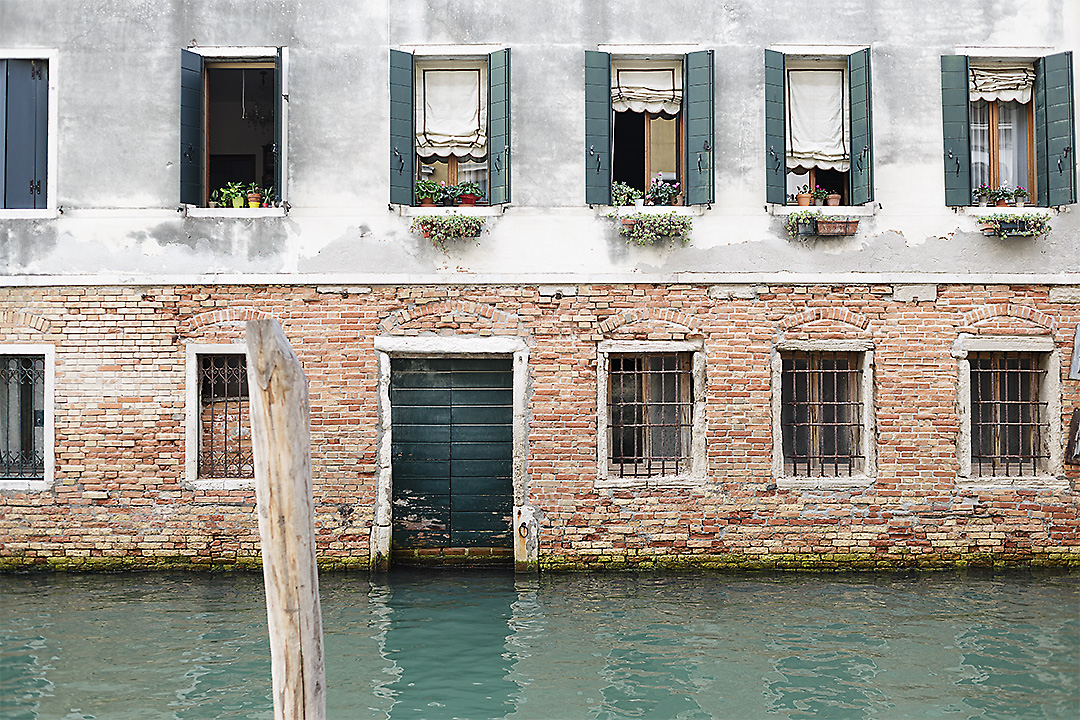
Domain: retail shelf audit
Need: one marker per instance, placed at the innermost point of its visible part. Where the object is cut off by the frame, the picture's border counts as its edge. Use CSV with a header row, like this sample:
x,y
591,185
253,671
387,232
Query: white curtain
x,y
646,86
816,120
451,112
1012,144
1007,83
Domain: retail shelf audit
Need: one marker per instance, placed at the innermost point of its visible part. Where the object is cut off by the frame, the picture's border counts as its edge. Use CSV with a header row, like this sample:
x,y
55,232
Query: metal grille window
x,y
650,411
224,419
821,414
1008,414
22,417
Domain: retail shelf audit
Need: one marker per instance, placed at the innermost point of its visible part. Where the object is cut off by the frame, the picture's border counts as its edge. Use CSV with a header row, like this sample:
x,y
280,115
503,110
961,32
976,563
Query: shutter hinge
x,y
35,187
35,69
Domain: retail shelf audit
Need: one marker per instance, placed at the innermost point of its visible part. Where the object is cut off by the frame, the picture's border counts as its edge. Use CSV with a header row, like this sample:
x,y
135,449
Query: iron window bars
x,y
1008,415
821,414
650,414
224,419
22,417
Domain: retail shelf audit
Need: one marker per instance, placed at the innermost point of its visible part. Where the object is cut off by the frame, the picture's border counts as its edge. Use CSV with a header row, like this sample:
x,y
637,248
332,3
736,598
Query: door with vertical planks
x,y
452,447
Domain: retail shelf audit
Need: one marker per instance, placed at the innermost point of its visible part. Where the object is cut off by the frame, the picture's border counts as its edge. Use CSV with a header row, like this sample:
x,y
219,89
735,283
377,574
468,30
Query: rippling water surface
x,y
487,645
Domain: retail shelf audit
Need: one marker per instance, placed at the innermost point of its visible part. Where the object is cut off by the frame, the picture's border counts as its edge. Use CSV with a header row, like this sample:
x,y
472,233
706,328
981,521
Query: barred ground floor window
x,y
1008,414
224,418
22,417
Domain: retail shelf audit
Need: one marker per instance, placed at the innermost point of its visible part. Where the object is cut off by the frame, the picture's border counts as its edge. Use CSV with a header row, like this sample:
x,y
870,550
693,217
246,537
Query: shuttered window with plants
x,y
1009,129
819,127
449,128
233,127
24,133
650,121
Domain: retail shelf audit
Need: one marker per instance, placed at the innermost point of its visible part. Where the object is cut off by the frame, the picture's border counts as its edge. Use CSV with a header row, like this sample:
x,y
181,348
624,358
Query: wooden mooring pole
x,y
280,435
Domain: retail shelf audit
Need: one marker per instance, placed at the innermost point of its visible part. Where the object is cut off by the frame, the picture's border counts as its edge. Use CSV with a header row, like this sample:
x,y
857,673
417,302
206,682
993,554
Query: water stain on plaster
x,y
23,242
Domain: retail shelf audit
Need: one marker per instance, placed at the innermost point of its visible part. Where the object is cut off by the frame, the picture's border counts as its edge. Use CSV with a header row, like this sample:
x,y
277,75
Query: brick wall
x,y
120,497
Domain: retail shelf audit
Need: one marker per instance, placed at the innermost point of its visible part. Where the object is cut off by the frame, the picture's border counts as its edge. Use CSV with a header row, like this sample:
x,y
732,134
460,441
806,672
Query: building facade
x,y
732,381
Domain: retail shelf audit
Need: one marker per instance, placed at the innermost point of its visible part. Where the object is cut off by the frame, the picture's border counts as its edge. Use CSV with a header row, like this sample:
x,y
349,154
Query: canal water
x,y
488,645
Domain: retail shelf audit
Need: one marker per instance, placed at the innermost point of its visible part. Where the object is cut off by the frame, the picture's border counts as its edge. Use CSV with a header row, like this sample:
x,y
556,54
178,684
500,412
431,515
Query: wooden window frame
x,y
993,149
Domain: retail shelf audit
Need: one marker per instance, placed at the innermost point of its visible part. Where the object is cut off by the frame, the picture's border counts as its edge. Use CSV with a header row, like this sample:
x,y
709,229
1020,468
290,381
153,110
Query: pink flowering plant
x,y
660,192
820,193
441,229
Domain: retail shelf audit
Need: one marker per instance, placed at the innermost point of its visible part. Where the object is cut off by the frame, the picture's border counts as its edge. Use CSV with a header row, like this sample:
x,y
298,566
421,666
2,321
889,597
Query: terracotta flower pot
x,y
804,199
469,199
833,199
254,200
427,202
1002,203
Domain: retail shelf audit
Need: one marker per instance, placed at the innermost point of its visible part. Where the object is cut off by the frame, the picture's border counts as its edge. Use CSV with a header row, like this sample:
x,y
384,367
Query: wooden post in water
x,y
280,434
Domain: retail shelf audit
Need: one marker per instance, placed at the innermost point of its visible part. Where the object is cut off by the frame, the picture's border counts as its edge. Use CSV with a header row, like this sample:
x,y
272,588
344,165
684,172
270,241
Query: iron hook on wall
x,y
1064,155
592,151
401,161
776,157
953,157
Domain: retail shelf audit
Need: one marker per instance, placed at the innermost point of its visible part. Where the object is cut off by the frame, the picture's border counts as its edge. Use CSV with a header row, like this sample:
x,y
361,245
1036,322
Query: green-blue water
x,y
487,645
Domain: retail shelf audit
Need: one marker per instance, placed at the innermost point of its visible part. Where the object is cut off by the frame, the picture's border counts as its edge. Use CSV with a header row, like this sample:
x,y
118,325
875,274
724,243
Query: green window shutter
x,y
3,129
499,127
1055,132
775,130
698,106
191,128
26,133
597,128
956,129
281,92
402,127
861,174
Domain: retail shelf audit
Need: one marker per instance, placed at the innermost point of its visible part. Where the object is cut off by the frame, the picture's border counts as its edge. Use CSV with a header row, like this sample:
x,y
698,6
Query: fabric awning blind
x,y
816,120
1008,83
451,112
646,86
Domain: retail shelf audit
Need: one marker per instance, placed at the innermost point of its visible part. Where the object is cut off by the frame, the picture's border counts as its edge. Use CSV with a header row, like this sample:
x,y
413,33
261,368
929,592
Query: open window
x,y
450,124
24,133
646,119
818,129
233,107
1009,123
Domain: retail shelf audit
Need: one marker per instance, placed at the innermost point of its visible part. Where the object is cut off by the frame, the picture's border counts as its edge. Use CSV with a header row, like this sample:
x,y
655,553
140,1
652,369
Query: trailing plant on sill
x,y
443,228
649,229
801,217
1012,225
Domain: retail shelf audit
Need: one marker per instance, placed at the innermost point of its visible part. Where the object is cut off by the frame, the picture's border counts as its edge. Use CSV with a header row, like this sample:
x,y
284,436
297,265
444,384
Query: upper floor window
x,y
233,107
24,133
1008,124
449,127
648,120
818,132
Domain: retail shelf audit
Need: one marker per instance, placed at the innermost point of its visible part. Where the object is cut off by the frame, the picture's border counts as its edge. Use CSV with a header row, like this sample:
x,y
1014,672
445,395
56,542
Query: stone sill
x,y
226,213
655,482
624,210
1024,482
979,212
824,483
46,214
868,210
25,485
412,211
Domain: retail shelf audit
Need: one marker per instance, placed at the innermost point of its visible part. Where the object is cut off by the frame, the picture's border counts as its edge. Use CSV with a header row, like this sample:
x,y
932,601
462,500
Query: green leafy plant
x,y
797,218
231,192
1013,225
649,228
467,188
1001,193
1020,193
820,193
623,194
441,229
982,193
660,192
428,189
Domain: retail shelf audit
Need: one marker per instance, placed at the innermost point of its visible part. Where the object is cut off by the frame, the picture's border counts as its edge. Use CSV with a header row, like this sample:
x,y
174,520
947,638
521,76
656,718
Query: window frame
x,y
697,461
867,439
192,414
51,209
49,434
1049,392
244,54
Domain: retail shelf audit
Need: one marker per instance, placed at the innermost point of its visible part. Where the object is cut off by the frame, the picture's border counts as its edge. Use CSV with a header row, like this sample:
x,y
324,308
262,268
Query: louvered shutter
x,y
1055,133
191,128
956,129
597,128
499,127
402,129
26,128
698,103
281,120
775,145
861,173
3,130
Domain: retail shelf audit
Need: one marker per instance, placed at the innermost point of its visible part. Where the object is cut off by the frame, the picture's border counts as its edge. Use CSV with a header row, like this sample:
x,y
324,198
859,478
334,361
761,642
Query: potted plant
x,y
801,222
649,229
820,195
1020,196
623,195
804,196
254,195
443,228
833,199
1001,196
427,192
233,195
1012,225
660,192
837,225
468,193
982,194
215,198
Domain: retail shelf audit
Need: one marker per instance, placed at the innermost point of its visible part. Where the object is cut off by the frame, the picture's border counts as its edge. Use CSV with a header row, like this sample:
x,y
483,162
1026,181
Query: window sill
x,y
824,483
223,484
470,210
191,211
624,210
983,211
14,214
1021,481
25,485
868,210
656,481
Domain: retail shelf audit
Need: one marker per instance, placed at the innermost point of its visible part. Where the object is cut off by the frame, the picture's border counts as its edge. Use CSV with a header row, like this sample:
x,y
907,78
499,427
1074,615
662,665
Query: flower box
x,y
837,226
1007,225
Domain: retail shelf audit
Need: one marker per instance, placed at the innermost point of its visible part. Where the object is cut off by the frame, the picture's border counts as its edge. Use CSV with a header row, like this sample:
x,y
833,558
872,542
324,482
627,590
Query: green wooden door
x,y
452,452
